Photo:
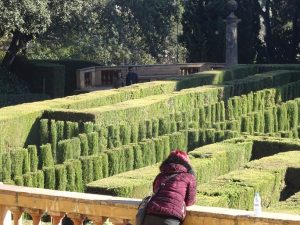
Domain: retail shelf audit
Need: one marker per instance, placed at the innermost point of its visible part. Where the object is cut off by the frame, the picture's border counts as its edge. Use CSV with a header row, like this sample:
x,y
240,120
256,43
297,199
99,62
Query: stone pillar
x,y
36,216
97,220
76,218
56,217
5,216
17,215
231,36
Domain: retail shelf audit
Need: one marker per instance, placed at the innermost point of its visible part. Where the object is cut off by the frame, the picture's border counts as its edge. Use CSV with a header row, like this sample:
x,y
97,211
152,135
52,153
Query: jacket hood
x,y
173,168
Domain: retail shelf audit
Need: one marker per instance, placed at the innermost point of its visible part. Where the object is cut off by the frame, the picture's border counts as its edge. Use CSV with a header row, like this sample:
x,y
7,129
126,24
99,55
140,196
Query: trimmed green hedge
x,y
267,176
24,117
290,205
208,162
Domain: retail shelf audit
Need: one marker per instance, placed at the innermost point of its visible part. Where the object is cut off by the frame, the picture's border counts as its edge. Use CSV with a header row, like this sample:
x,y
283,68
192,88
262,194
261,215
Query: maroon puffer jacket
x,y
178,192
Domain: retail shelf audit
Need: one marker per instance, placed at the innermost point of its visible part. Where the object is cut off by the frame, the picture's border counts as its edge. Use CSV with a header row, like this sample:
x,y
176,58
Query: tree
x,y
115,32
25,20
204,30
281,21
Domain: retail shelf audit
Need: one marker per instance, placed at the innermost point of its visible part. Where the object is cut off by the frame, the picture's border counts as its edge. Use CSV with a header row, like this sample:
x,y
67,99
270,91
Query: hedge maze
x,y
240,127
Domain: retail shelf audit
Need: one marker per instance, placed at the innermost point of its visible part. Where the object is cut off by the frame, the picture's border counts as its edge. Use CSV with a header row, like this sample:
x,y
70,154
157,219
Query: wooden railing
x,y
98,208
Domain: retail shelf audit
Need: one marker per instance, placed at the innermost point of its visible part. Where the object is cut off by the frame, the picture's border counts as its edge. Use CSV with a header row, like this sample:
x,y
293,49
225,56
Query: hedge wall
x,y
267,176
24,117
208,162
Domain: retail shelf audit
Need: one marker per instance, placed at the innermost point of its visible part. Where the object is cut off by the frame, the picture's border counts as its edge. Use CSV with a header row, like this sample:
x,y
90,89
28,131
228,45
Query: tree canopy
x,y
143,31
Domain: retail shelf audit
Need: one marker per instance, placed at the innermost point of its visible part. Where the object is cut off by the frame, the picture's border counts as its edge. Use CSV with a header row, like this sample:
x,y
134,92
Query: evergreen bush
x,y
84,145
53,138
46,159
49,177
44,131
93,143
60,177
6,166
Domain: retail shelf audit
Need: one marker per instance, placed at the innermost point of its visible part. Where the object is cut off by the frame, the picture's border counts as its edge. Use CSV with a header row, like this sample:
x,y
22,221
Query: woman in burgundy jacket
x,y
167,206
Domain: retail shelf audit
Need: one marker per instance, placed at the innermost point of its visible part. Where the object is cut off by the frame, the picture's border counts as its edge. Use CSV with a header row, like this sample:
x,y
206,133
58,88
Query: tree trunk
x,y
17,43
268,35
293,51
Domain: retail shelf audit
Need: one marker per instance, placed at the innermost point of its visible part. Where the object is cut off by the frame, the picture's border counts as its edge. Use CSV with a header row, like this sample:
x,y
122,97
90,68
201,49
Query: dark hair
x,y
177,160
130,67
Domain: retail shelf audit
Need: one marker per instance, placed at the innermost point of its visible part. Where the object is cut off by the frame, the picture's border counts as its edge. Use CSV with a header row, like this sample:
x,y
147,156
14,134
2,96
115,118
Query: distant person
x,y
168,205
131,77
119,81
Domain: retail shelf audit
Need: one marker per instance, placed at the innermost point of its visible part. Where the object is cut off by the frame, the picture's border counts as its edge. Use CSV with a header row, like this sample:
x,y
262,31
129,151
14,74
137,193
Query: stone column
x,y
17,215
231,35
5,216
76,218
35,215
97,220
56,217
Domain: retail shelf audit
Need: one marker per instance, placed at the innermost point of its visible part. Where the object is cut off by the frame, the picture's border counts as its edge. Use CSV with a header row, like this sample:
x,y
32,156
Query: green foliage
x,y
71,129
87,169
104,161
193,139
78,175
93,143
64,151
97,167
53,138
45,157
44,131
7,166
148,129
138,156
27,179
19,181
74,175
84,145
142,131
113,136
125,133
17,158
113,162
60,177
159,146
26,162
88,127
155,127
60,126
49,177
103,133
164,126
76,147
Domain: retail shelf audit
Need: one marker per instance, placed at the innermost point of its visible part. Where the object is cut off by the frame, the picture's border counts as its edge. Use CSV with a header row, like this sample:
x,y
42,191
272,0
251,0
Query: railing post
x,y
76,218
17,215
97,220
5,216
56,217
35,215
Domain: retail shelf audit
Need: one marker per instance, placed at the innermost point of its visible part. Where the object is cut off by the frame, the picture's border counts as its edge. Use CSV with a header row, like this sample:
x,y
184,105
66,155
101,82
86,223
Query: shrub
x,y
53,138
93,143
64,151
44,131
60,126
84,145
138,156
125,133
49,177
60,177
6,166
16,163
46,159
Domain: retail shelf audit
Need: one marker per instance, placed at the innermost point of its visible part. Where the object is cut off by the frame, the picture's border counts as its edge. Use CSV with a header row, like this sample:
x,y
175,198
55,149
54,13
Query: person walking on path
x,y
168,205
131,77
